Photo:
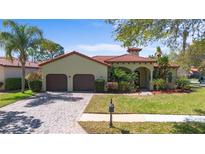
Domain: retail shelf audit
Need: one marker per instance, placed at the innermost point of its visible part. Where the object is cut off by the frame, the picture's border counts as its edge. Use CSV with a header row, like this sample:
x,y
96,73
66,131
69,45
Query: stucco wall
x,y
74,64
12,72
134,66
174,77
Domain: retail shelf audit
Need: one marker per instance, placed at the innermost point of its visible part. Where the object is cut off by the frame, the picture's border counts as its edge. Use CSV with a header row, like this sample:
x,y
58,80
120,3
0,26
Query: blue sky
x,y
91,37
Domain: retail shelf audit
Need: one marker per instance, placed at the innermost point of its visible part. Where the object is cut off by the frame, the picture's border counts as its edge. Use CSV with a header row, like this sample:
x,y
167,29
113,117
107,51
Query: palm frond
x,y
34,31
10,24
5,36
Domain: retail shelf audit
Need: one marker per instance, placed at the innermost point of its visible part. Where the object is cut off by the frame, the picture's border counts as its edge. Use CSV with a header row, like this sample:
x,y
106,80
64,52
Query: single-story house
x,y
74,71
194,73
12,69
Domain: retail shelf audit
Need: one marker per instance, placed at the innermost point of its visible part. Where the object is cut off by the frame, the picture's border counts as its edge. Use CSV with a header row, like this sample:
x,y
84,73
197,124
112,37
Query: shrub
x,y
35,85
112,86
124,86
34,76
1,84
13,84
183,83
159,84
99,85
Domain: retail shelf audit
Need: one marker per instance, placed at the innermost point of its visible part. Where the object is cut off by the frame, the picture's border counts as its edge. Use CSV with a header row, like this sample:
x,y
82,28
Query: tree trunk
x,y
23,78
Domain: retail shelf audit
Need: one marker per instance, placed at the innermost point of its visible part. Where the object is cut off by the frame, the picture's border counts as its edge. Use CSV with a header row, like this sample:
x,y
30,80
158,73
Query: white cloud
x,y
111,49
100,47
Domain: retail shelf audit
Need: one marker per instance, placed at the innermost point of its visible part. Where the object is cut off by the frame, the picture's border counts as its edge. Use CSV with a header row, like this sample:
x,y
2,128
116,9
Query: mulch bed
x,y
155,92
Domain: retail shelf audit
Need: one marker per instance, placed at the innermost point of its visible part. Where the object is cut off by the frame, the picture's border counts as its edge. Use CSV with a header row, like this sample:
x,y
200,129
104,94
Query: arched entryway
x,y
127,70
143,80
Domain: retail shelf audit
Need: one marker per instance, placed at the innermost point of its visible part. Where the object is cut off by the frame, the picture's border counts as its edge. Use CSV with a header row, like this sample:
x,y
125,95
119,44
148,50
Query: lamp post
x,y
111,110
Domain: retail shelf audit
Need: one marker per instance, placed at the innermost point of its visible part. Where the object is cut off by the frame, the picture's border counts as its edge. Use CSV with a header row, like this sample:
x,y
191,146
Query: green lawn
x,y
11,97
144,128
191,103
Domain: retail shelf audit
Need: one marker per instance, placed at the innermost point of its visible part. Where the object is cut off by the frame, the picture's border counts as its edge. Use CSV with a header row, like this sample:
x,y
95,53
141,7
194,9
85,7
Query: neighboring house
x,y
194,73
77,72
12,69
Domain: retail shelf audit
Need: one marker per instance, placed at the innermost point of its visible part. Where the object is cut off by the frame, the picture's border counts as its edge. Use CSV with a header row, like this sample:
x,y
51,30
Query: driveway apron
x,y
45,113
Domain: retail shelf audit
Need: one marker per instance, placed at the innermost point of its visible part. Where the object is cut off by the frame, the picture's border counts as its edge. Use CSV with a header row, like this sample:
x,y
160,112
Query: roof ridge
x,y
73,52
104,56
116,57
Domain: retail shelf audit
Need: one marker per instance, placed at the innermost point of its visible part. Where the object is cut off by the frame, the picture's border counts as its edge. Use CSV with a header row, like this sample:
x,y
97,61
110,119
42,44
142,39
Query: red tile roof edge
x,y
170,65
71,53
9,63
108,60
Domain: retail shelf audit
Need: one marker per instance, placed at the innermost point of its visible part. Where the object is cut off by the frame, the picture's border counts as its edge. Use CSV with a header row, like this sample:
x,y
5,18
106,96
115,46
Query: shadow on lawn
x,y
14,122
200,111
49,98
123,131
189,128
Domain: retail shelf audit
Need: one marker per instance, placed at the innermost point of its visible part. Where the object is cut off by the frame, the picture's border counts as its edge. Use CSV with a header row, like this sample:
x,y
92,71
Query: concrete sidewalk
x,y
142,118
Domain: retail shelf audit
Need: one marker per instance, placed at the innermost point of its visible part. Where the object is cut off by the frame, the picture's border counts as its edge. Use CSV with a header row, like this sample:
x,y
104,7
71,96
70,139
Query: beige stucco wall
x,y
12,72
134,66
174,77
74,64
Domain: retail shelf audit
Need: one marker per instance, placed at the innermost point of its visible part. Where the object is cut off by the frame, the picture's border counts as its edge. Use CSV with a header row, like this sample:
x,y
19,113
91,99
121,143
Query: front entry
x,y
83,82
142,81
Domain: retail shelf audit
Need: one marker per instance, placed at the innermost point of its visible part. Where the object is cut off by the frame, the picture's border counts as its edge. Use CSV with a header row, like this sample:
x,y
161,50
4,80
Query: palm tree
x,y
18,39
158,53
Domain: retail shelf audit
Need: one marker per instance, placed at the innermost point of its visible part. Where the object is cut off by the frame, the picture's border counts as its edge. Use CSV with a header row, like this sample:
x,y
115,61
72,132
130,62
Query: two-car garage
x,y
81,82
72,72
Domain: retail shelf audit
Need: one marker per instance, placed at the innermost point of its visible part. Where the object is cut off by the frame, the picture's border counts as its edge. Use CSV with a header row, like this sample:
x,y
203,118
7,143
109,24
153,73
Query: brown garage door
x,y
83,82
56,82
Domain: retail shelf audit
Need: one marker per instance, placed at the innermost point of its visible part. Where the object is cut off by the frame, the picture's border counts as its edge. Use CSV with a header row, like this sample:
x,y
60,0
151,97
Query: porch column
x,y
151,78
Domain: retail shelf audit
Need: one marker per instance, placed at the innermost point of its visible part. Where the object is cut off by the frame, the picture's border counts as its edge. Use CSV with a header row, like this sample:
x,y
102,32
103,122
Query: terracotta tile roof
x,y
71,53
129,58
15,63
103,58
170,65
194,69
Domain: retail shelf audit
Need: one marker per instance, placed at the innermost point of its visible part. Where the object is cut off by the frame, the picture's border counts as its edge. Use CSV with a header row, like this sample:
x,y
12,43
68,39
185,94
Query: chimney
x,y
134,51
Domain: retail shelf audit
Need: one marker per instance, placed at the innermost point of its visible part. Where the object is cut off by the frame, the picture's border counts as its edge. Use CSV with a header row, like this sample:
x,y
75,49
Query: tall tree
x,y
171,32
158,52
18,39
163,67
46,50
194,55
52,49
173,56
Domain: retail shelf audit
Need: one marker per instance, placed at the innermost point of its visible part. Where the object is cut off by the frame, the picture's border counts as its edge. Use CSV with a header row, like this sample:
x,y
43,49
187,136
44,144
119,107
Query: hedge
x,y
124,86
112,87
183,83
14,84
35,85
99,85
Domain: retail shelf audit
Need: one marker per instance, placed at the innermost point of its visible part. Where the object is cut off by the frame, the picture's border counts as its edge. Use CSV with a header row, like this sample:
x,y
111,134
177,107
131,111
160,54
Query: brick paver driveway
x,y
45,113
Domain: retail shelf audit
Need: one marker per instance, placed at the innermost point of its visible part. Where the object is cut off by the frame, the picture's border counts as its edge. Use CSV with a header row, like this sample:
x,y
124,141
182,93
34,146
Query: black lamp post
x,y
111,110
